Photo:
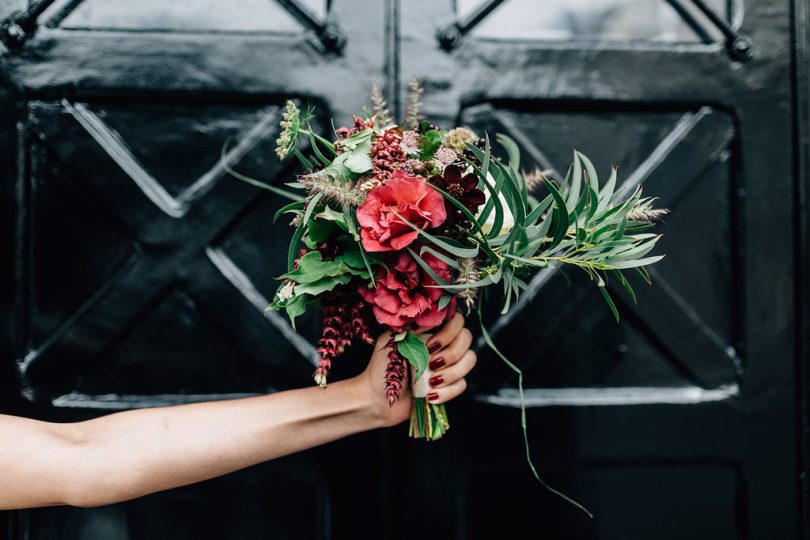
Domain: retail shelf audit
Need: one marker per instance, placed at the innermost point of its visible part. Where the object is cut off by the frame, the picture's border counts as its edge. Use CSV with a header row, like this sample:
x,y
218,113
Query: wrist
x,y
369,404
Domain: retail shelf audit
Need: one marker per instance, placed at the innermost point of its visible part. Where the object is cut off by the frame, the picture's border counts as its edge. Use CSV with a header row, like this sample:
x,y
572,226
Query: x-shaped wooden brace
x,y
699,139
175,244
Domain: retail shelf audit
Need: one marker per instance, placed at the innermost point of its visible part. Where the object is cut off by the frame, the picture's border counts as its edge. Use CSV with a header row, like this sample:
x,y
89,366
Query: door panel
x,y
680,401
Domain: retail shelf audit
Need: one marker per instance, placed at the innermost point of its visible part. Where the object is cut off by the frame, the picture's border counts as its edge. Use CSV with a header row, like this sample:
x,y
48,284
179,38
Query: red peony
x,y
410,197
404,295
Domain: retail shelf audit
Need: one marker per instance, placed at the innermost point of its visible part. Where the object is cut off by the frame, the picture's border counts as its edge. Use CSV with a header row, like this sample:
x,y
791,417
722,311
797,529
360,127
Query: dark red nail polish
x,y
436,364
433,396
435,347
436,380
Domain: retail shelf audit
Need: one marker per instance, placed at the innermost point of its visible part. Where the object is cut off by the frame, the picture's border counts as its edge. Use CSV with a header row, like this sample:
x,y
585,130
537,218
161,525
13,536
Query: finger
x,y
451,374
453,352
447,334
438,396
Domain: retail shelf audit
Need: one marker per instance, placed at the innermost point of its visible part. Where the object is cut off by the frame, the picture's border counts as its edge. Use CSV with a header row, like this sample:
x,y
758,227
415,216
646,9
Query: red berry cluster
x,y
344,320
386,155
359,125
394,373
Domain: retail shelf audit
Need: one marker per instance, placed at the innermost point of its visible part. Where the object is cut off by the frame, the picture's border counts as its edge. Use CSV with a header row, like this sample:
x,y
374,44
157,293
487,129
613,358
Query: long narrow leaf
x,y
426,267
441,256
561,215
466,253
621,265
292,251
523,422
609,300
576,183
258,183
297,205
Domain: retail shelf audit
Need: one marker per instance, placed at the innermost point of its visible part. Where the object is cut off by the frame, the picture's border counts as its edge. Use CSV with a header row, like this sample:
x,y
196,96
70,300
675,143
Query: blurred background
x,y
135,270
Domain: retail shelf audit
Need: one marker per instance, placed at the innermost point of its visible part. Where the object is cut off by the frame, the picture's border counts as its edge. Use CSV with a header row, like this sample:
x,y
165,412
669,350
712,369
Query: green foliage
x,y
414,349
579,223
576,222
430,141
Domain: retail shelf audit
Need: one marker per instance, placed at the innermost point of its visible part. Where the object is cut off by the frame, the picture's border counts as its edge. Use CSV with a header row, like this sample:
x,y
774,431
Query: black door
x,y
139,270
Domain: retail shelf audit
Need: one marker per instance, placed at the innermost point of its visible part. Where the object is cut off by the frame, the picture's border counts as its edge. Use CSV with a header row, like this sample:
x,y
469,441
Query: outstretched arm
x,y
130,454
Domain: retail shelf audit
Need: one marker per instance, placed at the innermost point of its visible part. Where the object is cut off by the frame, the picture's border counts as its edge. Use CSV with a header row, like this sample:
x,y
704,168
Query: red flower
x,y
404,295
410,197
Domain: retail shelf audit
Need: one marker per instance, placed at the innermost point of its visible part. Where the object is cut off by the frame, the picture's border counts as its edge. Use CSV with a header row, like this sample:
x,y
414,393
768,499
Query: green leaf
x,y
358,163
512,150
312,268
560,214
311,207
330,214
609,301
426,267
444,300
304,160
621,265
524,260
348,214
295,308
361,137
414,349
325,142
576,184
294,207
338,168
258,183
430,141
483,282
351,254
313,143
322,285
466,253
626,284
487,152
532,217
593,184
463,209
292,251
607,191
523,422
319,231
493,202
441,256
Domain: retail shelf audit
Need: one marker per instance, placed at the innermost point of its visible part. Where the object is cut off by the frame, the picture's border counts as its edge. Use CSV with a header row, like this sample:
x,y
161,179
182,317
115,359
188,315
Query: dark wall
x,y
135,271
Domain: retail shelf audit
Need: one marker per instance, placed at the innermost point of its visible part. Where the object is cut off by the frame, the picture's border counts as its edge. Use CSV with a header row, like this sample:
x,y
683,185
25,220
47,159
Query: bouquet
x,y
400,225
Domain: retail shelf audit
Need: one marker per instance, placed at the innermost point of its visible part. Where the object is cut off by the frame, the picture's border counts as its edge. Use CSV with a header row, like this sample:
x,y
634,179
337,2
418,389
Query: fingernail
x,y
435,347
433,396
436,380
436,364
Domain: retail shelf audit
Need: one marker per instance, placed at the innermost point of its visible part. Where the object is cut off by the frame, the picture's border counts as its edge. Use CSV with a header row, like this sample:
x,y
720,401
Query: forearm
x,y
134,453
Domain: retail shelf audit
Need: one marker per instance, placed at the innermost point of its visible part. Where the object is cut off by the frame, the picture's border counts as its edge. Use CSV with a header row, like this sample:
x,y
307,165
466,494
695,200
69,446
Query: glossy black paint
x,y
134,270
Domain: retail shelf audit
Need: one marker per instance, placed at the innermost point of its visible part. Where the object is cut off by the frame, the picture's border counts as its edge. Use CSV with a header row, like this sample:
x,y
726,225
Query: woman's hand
x,y
450,360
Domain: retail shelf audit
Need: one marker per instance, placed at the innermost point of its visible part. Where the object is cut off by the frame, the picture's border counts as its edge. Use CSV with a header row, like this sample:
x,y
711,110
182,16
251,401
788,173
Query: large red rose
x,y
409,196
403,294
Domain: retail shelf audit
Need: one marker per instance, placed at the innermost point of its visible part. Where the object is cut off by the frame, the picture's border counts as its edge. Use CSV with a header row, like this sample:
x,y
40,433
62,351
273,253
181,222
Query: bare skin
x,y
130,454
